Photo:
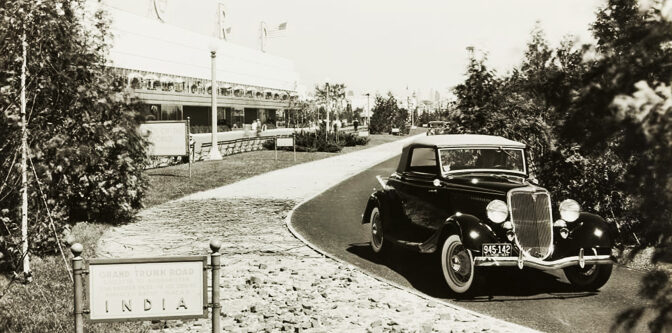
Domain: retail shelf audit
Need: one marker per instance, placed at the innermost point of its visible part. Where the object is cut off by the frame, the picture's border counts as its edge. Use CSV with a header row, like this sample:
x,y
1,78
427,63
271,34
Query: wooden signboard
x,y
285,142
147,288
167,137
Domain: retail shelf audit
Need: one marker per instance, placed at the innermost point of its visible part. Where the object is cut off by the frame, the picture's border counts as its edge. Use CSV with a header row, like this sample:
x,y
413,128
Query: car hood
x,y
487,182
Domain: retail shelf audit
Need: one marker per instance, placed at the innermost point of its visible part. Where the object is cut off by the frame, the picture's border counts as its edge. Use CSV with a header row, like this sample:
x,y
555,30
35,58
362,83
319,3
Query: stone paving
x,y
271,281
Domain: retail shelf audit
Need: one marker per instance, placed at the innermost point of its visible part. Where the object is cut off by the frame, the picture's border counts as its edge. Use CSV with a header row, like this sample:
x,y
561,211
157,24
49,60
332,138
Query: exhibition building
x,y
164,51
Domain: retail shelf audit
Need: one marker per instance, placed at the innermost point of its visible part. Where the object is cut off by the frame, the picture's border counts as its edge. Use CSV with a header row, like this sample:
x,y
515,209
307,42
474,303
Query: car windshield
x,y
504,159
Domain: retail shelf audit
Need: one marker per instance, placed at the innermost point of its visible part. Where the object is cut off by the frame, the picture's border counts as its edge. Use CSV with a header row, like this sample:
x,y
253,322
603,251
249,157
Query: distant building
x,y
161,50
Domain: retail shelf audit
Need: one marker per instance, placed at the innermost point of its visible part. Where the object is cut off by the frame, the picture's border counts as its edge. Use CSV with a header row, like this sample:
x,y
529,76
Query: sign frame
x,y
285,137
149,260
186,138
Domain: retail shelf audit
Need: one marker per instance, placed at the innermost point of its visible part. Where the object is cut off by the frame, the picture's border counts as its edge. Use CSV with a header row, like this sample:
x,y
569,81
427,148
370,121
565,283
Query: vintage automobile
x,y
471,198
436,127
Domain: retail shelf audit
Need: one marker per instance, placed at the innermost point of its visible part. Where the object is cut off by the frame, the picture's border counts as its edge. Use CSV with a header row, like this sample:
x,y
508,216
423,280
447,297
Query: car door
x,y
418,194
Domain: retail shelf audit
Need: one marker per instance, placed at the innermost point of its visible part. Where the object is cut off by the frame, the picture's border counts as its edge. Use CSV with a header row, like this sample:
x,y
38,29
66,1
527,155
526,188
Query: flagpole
x,y
262,37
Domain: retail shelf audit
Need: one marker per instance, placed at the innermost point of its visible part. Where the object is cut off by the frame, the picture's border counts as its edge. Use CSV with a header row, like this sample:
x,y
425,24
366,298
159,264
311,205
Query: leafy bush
x,y
388,115
597,130
87,154
349,139
317,141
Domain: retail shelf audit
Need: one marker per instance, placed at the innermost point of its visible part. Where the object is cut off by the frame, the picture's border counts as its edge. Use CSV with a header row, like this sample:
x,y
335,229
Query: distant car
x,y
436,127
470,198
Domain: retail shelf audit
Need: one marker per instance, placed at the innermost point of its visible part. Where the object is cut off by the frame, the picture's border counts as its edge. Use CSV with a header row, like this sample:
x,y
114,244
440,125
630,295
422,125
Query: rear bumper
x,y
544,265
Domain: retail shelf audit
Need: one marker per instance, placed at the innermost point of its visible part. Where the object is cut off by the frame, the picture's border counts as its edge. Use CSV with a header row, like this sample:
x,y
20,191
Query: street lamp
x,y
368,109
214,151
326,84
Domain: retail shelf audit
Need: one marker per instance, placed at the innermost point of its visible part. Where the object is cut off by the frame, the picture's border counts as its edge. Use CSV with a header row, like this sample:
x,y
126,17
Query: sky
x,y
379,46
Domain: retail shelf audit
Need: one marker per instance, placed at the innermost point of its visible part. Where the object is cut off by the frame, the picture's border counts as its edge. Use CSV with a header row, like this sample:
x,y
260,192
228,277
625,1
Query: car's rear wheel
x,y
457,264
590,277
376,228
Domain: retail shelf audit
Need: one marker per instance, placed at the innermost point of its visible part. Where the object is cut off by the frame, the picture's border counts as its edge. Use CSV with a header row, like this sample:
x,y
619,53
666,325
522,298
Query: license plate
x,y
496,250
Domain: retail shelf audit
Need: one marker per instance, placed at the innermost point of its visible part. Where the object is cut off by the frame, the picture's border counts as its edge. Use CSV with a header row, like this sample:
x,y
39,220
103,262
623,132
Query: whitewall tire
x,y
457,264
376,231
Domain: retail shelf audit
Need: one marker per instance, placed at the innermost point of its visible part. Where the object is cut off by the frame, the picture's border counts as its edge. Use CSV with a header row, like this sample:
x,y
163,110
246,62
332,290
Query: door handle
x,y
433,191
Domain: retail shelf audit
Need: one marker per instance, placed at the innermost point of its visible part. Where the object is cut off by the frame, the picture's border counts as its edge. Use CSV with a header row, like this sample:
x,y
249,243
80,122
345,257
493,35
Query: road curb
x,y
297,235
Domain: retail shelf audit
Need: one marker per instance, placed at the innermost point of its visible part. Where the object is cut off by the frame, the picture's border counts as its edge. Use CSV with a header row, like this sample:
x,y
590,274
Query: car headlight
x,y
497,211
569,210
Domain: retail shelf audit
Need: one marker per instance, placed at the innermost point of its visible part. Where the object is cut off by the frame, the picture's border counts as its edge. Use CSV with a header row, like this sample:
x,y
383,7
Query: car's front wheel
x,y
457,264
588,278
376,229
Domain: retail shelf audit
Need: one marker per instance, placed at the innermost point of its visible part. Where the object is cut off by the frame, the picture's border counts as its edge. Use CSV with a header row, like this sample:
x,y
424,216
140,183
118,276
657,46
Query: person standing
x,y
355,124
254,127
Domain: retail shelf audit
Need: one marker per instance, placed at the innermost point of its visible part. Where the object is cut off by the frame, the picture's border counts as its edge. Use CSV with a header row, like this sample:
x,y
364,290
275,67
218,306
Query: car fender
x,y
386,200
472,231
590,231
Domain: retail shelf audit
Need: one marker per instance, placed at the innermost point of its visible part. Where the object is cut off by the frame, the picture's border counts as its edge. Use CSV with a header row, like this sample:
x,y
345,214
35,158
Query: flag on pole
x,y
282,26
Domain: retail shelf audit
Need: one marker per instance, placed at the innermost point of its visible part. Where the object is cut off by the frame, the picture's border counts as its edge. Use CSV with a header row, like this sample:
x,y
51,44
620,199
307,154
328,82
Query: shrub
x,y
349,139
87,154
318,141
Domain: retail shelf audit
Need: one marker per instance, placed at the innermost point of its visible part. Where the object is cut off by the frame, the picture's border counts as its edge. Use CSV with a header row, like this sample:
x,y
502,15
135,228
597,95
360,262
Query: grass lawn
x,y
45,305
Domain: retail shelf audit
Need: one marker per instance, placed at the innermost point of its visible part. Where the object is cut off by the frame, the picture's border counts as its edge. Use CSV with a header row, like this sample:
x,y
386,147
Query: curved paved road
x,y
531,298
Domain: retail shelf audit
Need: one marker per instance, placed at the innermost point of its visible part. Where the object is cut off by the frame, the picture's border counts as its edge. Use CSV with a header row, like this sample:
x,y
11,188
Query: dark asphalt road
x,y
531,298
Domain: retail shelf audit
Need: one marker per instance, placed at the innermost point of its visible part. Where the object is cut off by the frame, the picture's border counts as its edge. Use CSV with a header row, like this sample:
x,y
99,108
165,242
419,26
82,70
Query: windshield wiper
x,y
506,152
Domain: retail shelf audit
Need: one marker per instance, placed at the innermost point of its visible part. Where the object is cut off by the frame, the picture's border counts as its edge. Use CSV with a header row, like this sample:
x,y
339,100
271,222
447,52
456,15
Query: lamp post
x,y
327,108
368,109
214,151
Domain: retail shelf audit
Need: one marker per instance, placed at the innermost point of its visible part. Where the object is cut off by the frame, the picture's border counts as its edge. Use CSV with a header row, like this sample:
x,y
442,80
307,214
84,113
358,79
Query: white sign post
x,y
167,138
158,288
147,288
285,142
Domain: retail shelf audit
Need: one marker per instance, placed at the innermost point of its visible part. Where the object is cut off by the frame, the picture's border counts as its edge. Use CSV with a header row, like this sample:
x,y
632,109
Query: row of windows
x,y
198,87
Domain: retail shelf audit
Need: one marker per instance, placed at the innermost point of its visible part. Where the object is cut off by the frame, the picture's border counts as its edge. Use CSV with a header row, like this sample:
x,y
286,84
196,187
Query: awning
x,y
236,88
225,86
250,89
166,79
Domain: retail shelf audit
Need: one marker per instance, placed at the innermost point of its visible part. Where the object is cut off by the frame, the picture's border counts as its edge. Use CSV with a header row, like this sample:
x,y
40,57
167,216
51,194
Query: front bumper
x,y
521,261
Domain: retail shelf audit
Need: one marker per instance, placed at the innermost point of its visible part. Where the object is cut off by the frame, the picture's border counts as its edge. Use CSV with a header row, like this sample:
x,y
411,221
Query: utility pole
x,y
368,109
326,132
24,166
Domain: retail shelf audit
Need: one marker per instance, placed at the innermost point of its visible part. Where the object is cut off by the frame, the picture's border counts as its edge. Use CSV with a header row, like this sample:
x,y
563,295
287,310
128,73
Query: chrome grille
x,y
532,221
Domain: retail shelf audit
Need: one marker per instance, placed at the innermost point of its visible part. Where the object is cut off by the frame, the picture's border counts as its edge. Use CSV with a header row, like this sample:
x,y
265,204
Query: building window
x,y
136,83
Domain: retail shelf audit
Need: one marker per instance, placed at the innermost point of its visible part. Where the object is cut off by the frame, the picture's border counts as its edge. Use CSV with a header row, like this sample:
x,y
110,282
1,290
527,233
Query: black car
x,y
436,127
471,198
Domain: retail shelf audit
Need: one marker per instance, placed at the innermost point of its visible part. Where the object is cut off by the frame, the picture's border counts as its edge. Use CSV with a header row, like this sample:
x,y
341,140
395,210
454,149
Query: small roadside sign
x,y
147,288
363,133
159,288
287,141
